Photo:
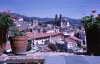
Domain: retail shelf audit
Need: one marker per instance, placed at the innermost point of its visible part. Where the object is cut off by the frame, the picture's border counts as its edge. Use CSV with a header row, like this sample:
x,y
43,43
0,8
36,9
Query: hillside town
x,y
49,32
36,42
44,39
61,37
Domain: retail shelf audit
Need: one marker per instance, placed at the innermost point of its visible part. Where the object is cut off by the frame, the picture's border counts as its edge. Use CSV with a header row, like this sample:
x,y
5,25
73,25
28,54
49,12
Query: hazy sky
x,y
48,8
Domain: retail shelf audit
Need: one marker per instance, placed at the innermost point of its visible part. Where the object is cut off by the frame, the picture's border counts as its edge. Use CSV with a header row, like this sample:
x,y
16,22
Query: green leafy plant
x,y
92,29
5,20
91,21
16,32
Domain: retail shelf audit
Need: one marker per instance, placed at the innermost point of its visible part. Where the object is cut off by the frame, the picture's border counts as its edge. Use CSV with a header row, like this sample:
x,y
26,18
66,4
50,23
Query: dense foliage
x,y
16,32
5,20
91,21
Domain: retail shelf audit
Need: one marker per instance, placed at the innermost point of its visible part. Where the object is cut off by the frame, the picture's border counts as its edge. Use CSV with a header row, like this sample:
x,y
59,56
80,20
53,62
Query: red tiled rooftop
x,y
72,39
41,35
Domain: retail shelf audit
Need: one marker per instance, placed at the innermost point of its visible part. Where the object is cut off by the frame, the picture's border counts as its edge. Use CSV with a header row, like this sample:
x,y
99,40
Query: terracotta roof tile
x,y
40,35
72,39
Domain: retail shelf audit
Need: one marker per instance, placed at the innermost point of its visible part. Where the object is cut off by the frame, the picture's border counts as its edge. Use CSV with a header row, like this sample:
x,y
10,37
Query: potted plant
x,y
92,29
18,41
5,22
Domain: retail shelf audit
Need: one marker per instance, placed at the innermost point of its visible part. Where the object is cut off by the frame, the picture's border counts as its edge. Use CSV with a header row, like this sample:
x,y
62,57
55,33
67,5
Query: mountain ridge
x,y
26,18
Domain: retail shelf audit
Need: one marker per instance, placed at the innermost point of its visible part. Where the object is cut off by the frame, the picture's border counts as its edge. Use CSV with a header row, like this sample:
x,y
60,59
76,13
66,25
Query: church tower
x,y
58,20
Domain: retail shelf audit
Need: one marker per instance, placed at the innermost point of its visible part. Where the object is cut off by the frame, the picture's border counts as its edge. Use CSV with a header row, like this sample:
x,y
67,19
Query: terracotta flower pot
x,y
18,44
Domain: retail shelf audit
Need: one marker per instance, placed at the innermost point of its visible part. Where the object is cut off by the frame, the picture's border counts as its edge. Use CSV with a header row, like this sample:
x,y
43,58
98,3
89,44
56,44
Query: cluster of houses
x,y
61,33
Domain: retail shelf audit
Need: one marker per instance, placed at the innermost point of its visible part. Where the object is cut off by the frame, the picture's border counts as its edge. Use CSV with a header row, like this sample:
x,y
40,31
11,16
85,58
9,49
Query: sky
x,y
49,8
